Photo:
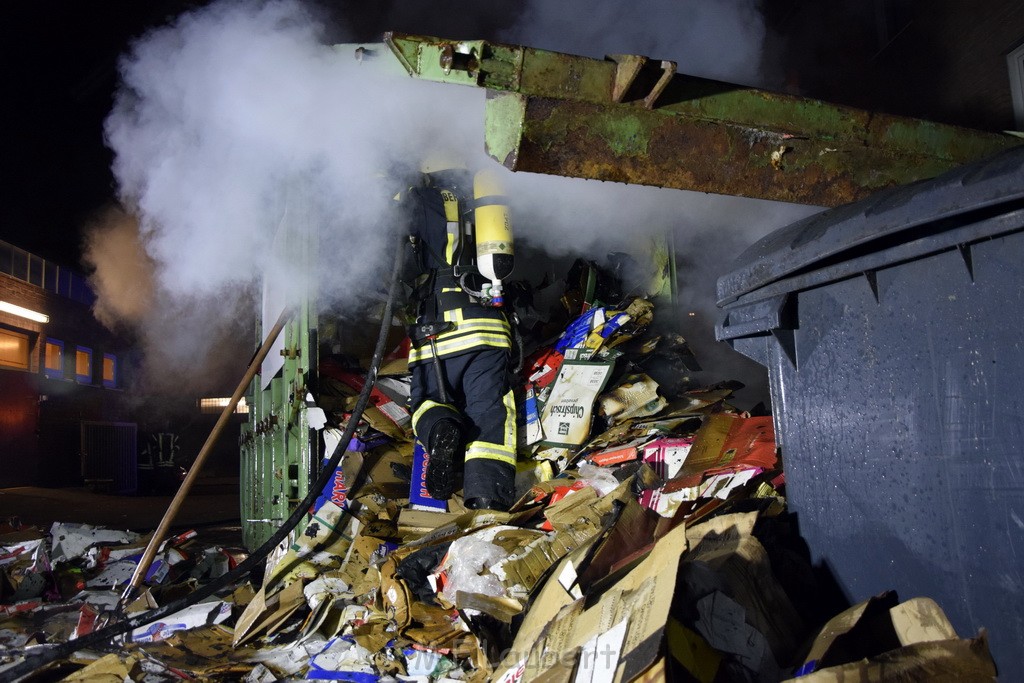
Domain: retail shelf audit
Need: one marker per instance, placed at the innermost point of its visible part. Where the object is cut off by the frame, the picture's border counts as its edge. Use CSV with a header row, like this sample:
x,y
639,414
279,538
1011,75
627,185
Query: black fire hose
x,y
49,653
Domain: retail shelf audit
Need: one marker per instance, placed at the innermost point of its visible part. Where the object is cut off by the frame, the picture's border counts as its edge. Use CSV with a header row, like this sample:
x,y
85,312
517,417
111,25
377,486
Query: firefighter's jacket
x,y
444,252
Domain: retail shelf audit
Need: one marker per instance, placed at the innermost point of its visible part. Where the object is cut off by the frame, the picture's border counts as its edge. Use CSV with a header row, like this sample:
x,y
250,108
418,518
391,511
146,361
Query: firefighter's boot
x,y
445,441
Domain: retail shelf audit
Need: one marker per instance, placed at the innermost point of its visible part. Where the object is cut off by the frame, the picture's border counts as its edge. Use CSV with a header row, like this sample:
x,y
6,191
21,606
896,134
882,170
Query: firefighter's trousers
x,y
481,402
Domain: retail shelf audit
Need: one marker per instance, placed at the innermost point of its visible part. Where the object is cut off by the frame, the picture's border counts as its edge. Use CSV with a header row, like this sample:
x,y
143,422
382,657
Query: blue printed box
x,y
418,497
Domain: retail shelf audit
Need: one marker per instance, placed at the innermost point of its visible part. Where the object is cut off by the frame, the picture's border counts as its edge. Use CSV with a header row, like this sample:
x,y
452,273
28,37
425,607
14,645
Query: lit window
x,y
109,371
53,363
216,406
13,349
83,365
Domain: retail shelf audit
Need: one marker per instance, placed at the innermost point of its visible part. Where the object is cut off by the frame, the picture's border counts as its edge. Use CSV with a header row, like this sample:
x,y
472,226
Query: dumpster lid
x,y
852,228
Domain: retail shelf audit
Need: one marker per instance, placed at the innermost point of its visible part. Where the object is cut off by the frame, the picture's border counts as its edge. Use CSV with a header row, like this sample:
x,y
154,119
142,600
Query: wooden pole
x,y
131,592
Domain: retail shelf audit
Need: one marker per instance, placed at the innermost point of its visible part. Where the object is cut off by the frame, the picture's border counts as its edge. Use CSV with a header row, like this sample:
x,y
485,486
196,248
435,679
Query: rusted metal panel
x,y
634,120
579,139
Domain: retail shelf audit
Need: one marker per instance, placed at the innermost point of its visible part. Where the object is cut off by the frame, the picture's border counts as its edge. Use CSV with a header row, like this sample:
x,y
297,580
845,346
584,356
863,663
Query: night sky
x,y
60,74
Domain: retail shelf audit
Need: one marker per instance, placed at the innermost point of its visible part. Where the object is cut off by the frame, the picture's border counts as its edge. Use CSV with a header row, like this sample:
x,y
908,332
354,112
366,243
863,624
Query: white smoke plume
x,y
237,116
591,219
233,118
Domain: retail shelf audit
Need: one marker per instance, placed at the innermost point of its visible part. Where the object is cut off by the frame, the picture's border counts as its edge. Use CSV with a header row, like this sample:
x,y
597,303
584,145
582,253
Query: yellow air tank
x,y
494,254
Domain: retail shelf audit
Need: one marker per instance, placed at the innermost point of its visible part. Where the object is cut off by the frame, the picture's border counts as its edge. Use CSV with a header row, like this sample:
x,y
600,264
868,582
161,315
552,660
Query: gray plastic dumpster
x,y
892,332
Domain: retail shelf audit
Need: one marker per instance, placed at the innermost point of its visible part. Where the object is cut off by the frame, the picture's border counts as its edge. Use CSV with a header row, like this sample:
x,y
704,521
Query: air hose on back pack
x,y
46,654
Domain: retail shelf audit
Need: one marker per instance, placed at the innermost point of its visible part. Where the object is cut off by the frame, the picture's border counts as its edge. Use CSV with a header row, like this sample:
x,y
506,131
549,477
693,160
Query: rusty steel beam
x,y
584,140
630,119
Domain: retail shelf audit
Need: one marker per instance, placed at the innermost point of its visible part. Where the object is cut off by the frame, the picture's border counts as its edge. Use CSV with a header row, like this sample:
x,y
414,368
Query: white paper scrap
x,y
600,655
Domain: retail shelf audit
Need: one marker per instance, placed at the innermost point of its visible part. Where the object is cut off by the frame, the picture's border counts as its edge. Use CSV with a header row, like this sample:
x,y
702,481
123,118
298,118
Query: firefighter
x,y
461,398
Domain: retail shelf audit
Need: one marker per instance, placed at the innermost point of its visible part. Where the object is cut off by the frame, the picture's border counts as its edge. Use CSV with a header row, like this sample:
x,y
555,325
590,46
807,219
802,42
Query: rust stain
x,y
589,141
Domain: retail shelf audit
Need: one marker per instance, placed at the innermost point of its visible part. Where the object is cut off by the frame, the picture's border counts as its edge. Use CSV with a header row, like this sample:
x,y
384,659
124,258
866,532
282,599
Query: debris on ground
x,y
650,541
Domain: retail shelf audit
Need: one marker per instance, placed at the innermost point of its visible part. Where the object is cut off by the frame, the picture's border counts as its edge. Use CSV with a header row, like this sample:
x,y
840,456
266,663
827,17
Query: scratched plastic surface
x,y
898,404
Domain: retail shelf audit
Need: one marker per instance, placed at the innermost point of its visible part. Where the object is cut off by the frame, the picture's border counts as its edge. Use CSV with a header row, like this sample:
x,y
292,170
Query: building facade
x,y
61,371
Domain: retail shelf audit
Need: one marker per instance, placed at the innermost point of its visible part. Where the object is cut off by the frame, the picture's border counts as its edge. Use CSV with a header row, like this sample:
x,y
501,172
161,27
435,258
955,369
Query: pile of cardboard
x,y
650,541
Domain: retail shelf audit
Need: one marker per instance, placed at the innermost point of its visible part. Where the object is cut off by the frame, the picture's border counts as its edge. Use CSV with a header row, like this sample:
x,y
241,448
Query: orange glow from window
x,y
83,363
13,350
54,356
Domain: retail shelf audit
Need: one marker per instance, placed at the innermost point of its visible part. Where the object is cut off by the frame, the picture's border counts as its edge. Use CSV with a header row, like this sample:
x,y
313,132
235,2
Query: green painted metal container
x,y
280,454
